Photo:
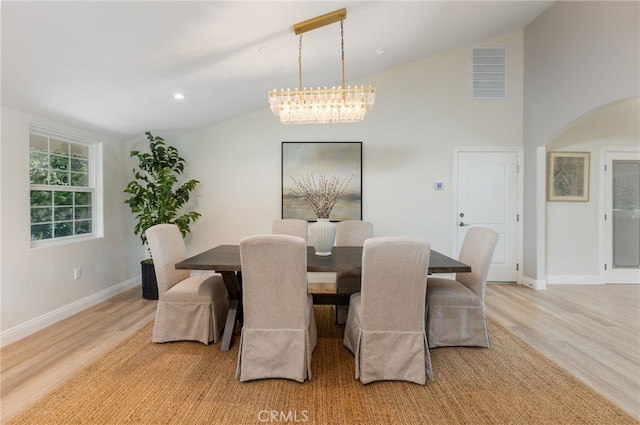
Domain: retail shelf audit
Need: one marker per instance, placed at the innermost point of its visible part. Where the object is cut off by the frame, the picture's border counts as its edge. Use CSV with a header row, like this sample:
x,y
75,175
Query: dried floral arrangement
x,y
321,195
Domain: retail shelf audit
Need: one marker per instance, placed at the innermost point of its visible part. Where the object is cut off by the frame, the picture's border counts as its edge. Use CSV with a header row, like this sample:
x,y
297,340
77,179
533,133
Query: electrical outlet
x,y
77,273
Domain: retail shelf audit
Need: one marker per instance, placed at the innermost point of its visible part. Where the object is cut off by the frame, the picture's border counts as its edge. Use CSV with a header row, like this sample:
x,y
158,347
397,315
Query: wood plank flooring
x,y
593,331
36,365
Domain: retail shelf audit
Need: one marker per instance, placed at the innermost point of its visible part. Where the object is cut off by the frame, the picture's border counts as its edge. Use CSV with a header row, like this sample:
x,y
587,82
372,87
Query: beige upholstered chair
x,y
190,308
385,326
349,233
455,307
291,226
279,331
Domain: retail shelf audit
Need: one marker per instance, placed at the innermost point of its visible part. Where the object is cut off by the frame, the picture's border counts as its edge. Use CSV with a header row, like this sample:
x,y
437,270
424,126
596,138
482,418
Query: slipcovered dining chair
x,y
290,226
455,307
190,308
349,233
279,331
385,326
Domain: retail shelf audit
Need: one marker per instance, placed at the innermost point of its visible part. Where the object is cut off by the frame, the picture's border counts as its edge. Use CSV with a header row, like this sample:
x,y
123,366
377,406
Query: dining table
x,y
225,260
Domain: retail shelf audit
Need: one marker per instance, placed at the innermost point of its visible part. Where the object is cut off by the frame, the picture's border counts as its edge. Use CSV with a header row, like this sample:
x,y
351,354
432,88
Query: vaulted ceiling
x,y
113,67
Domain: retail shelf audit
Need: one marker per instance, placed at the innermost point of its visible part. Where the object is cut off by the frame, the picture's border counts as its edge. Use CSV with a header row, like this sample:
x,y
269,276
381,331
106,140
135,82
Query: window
x,y
63,186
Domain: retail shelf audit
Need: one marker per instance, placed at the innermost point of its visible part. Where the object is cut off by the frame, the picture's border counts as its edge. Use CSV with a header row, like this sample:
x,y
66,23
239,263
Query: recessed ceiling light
x,y
380,51
178,96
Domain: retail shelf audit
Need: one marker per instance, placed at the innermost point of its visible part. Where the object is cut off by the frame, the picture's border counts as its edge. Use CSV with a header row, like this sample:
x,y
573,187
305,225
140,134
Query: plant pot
x,y
149,282
323,236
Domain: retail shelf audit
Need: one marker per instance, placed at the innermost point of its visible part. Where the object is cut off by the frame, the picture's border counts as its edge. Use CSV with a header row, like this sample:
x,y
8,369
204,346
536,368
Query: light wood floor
x,y
592,331
34,366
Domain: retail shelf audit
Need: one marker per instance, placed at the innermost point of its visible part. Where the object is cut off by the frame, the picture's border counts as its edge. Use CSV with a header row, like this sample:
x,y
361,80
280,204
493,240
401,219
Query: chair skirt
x,y
277,353
392,355
201,320
274,353
457,326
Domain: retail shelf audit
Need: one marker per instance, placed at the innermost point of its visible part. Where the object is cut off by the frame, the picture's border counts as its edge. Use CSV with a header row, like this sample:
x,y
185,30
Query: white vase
x,y
323,236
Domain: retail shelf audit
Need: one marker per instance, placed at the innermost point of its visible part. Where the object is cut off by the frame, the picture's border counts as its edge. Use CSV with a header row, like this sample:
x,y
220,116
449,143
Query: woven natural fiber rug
x,y
189,383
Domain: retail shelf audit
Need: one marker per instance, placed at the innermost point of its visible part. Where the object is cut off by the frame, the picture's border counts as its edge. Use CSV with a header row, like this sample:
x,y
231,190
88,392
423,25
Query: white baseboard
x,y
534,283
561,279
25,329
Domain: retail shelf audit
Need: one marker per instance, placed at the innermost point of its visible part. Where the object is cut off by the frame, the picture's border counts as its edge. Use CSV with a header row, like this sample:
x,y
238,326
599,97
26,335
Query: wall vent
x,y
488,73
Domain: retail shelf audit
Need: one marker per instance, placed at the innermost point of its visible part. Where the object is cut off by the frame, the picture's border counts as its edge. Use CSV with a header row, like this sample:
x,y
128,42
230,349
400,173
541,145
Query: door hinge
x,y
517,217
517,267
517,168
605,168
605,217
605,266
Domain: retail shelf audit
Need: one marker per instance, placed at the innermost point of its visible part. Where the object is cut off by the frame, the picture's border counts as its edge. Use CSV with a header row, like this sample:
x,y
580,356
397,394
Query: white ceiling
x,y
114,66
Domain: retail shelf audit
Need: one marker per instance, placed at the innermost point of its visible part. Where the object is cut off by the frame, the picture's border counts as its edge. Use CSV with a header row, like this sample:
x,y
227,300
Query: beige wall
x,y
578,56
423,111
573,228
38,285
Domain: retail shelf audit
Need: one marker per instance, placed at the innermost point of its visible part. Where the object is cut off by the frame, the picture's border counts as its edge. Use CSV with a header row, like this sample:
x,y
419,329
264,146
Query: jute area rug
x,y
189,383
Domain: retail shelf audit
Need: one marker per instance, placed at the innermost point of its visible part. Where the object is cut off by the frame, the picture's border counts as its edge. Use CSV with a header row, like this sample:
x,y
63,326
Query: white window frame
x,y
94,186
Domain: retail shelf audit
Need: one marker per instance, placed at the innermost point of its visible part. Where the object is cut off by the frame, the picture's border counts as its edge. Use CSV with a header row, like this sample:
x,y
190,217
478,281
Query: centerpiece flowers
x,y
321,195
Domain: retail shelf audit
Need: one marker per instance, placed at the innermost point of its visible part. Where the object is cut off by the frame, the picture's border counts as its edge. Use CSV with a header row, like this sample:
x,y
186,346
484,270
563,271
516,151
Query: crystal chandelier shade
x,y
320,106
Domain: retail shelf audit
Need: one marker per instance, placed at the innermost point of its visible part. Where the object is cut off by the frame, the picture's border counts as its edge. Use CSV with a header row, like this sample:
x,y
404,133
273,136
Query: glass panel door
x,y
622,217
626,214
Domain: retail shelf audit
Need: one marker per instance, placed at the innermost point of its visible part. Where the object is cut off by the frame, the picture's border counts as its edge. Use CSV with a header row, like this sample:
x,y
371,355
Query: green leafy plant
x,y
156,196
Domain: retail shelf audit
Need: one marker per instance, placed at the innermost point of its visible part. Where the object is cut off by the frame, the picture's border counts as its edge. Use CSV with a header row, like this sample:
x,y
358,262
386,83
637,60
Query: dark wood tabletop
x,y
343,259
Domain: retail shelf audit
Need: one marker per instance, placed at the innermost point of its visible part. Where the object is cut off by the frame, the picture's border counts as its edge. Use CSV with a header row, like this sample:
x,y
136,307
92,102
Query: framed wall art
x,y
340,159
568,176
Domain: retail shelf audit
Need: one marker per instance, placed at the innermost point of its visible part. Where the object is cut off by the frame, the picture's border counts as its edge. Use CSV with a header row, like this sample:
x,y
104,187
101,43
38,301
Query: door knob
x,y
462,224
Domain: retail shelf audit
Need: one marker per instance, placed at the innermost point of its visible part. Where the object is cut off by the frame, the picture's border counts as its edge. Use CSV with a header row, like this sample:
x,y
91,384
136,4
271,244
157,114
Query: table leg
x,y
234,289
229,326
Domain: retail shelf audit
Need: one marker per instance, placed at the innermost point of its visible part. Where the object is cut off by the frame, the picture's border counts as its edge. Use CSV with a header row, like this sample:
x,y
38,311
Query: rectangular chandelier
x,y
319,106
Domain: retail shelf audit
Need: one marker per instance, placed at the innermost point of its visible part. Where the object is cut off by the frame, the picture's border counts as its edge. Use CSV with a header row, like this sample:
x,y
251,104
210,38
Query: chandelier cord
x,y
300,64
342,49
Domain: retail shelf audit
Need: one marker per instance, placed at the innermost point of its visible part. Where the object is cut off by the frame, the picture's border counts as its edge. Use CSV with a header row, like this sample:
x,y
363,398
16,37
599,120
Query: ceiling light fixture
x,y
317,106
380,51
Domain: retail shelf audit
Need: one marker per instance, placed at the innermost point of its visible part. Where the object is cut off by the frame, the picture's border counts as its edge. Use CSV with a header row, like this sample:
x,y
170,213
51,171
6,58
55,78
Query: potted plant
x,y
157,197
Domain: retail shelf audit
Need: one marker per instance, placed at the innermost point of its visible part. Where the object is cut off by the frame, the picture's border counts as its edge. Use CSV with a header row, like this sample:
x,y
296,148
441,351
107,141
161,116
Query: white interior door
x,y
622,217
487,196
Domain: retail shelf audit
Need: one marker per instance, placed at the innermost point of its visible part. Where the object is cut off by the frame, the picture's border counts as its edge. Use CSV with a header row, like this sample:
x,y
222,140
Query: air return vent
x,y
488,73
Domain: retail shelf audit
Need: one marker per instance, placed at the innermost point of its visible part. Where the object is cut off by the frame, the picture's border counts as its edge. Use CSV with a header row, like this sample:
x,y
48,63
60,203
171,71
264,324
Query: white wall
x,y
579,56
38,286
422,112
572,232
